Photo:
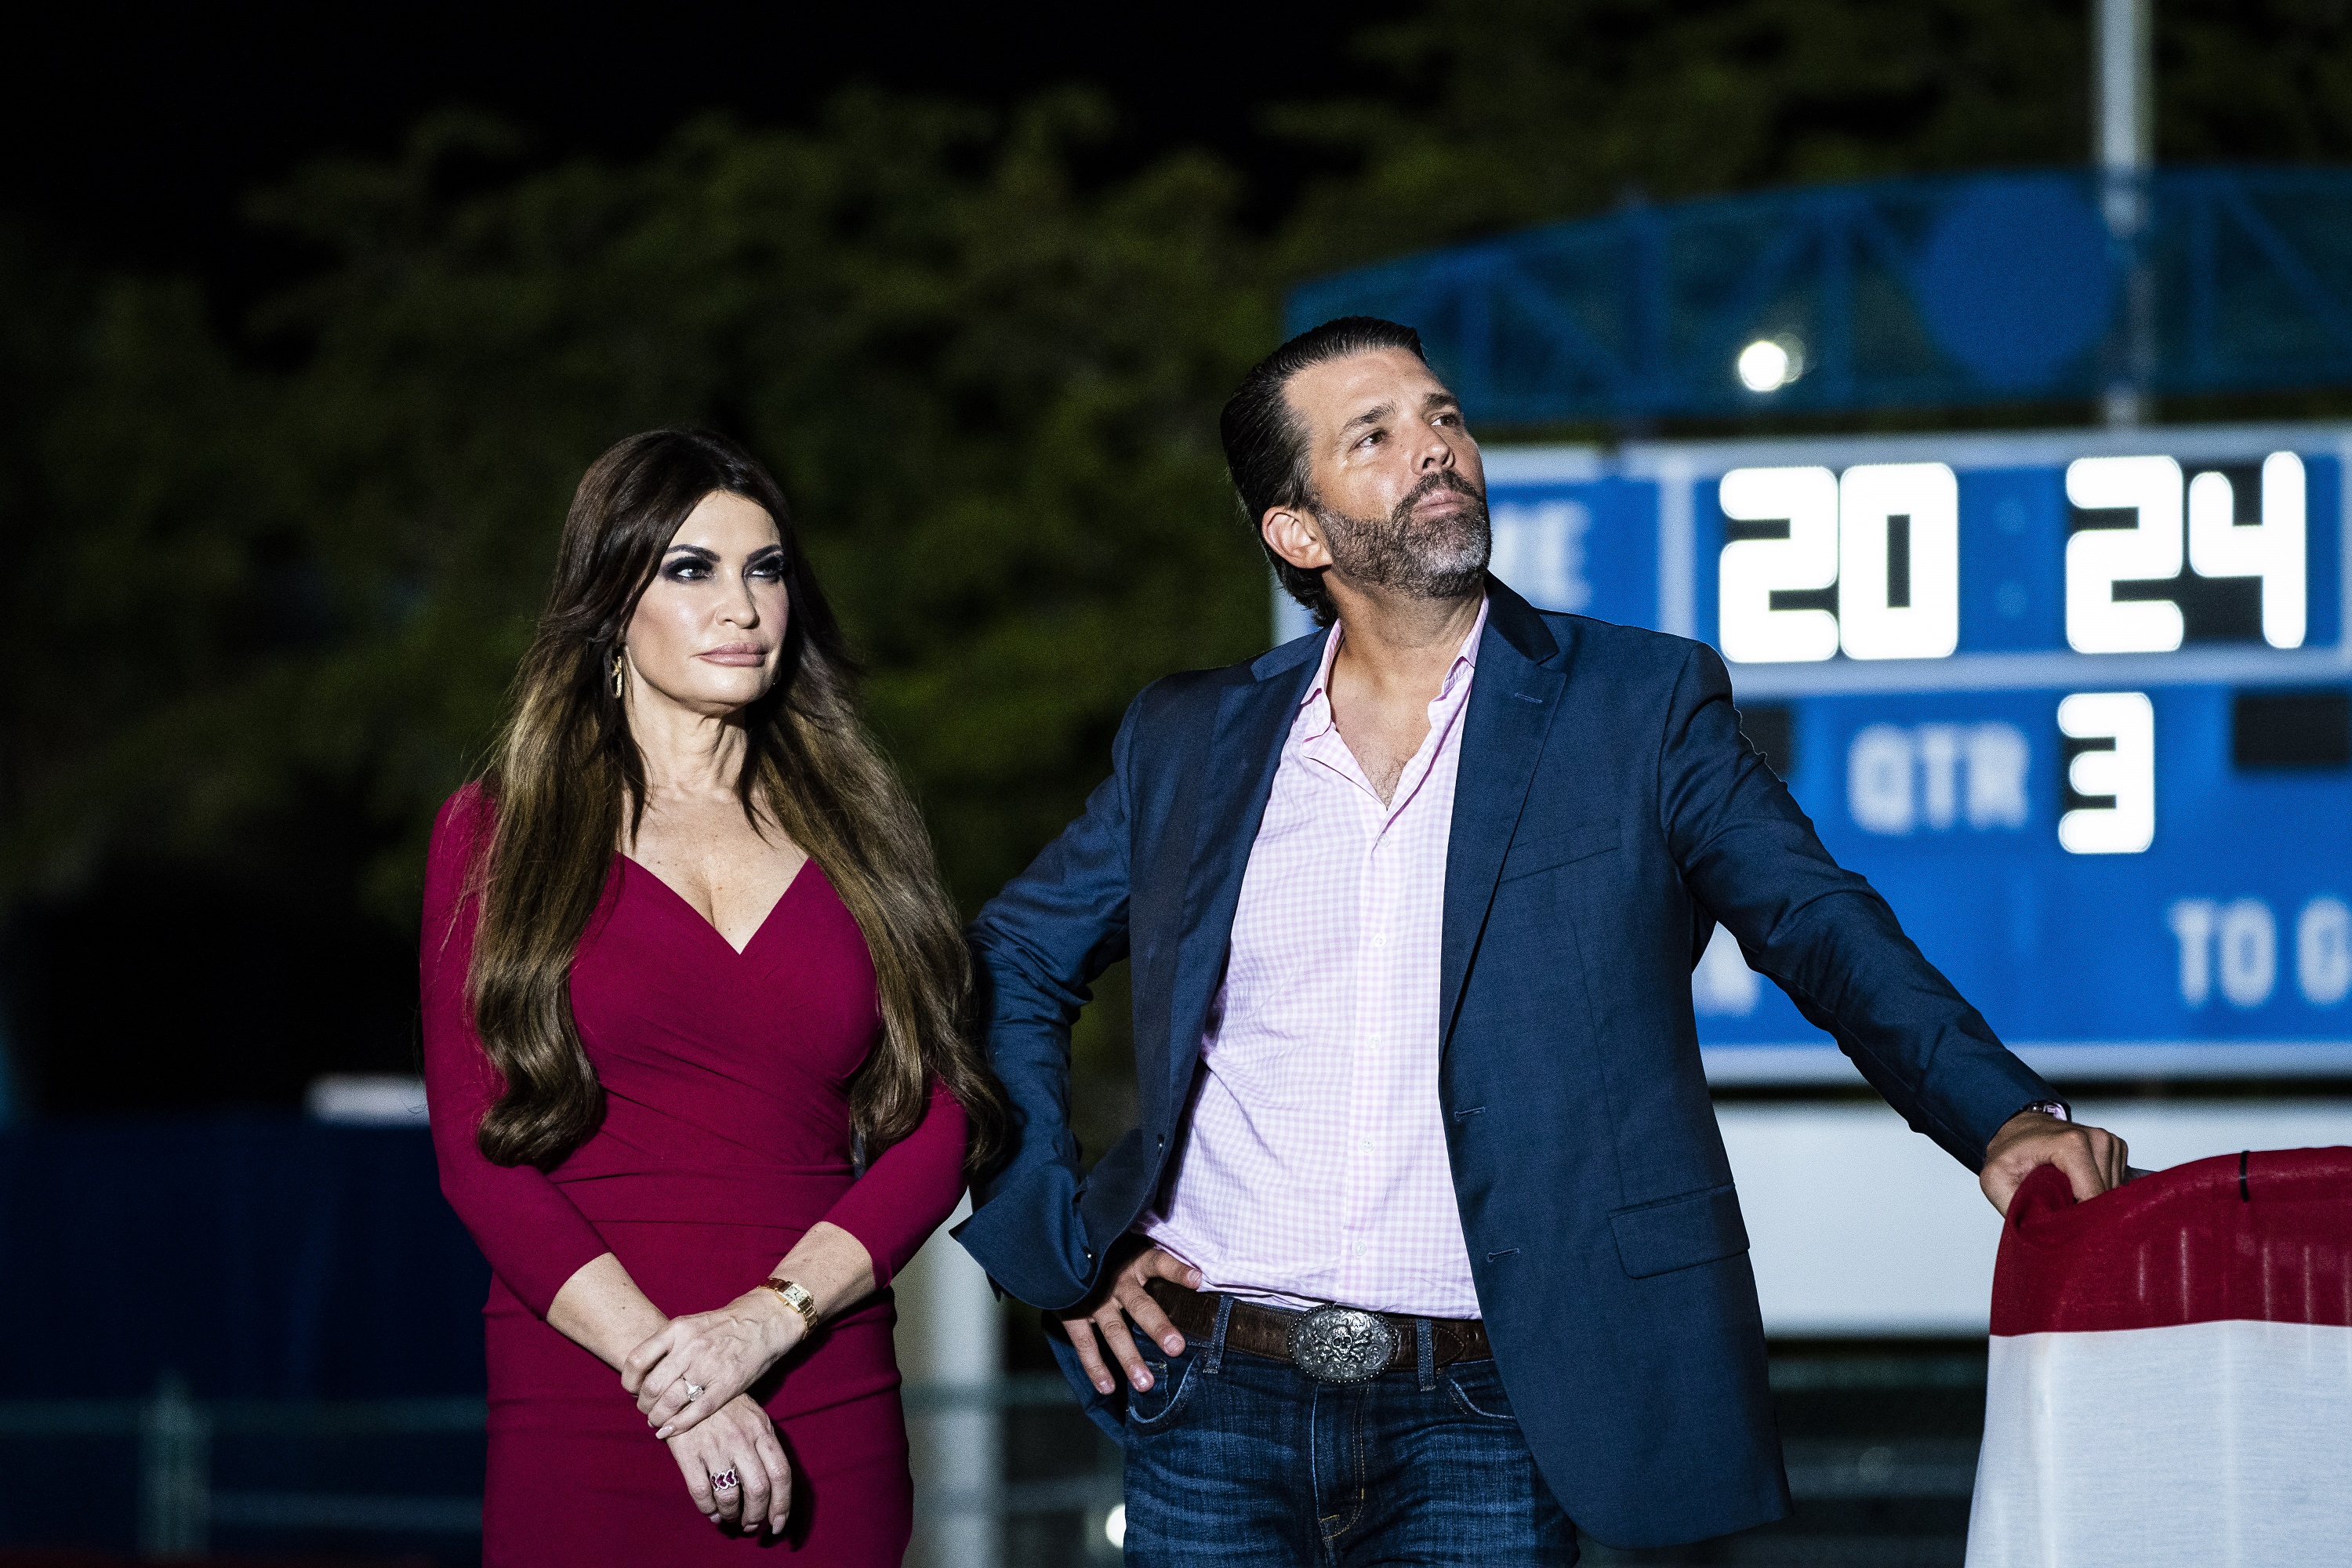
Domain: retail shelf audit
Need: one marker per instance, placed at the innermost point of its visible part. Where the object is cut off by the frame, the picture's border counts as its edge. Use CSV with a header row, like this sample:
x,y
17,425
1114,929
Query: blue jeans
x,y
1234,1460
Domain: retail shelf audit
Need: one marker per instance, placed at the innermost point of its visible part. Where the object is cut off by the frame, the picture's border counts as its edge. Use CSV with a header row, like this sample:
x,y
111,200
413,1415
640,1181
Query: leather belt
x,y
1333,1345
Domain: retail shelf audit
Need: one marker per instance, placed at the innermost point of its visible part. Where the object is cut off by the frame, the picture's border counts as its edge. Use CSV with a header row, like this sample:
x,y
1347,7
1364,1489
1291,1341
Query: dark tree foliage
x,y
989,396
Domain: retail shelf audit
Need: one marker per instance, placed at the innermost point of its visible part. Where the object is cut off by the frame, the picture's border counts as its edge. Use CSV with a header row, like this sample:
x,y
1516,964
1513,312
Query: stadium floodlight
x,y
1768,365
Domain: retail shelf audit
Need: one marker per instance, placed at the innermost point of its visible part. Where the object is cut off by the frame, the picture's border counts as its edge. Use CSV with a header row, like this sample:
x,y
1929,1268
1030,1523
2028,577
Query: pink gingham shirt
x,y
1314,1168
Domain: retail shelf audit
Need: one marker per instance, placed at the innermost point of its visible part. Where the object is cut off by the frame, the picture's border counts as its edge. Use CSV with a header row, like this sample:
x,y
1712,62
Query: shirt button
x,y
1368,1145
1358,1248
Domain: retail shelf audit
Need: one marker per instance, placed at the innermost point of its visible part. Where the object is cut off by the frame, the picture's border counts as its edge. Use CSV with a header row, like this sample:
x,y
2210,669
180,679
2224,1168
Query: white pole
x,y
950,1340
2125,133
176,1466
2123,146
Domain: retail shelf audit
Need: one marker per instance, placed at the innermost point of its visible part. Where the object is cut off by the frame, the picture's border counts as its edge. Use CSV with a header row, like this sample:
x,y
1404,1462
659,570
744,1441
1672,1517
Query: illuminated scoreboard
x,y
2079,704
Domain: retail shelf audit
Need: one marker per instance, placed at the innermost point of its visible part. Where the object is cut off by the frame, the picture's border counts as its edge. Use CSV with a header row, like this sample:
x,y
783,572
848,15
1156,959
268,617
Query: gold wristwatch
x,y
796,1297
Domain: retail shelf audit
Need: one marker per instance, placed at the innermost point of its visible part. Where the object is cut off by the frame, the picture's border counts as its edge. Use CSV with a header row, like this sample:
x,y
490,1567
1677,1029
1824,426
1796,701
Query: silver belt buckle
x,y
1342,1344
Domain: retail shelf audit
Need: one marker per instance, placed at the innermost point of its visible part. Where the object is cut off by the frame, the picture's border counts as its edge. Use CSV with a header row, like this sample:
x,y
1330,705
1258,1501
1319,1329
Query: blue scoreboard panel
x,y
2078,703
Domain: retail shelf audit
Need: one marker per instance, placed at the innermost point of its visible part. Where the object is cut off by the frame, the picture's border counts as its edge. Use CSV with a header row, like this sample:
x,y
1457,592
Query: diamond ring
x,y
693,1392
723,1482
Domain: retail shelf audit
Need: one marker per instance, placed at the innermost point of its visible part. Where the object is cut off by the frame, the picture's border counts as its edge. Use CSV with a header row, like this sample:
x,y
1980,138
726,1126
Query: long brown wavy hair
x,y
566,774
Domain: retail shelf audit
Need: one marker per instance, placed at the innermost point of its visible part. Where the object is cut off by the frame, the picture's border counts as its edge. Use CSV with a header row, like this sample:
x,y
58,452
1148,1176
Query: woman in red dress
x,y
686,961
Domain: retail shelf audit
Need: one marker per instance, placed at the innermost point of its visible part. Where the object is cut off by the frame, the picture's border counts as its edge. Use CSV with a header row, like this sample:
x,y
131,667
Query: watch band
x,y
796,1296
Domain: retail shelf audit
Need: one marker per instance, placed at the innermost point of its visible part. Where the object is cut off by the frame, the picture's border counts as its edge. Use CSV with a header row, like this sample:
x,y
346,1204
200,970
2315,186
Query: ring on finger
x,y
693,1393
725,1480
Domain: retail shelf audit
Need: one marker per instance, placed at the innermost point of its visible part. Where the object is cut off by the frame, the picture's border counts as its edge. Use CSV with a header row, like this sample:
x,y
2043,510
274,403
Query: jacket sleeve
x,y
533,1235
912,1189
1821,933
1038,946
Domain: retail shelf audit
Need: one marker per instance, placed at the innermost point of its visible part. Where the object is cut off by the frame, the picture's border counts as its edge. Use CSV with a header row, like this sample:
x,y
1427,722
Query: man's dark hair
x,y
1266,449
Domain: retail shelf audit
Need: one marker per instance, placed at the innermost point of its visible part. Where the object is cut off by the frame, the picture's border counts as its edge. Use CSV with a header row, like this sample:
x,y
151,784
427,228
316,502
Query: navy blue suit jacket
x,y
1608,813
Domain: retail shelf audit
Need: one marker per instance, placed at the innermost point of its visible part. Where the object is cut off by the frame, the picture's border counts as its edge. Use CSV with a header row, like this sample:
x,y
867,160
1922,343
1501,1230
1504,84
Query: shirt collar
x,y
1315,709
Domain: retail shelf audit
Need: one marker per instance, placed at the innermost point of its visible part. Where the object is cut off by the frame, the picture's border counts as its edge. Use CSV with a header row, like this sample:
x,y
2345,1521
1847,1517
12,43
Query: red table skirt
x,y
2171,1371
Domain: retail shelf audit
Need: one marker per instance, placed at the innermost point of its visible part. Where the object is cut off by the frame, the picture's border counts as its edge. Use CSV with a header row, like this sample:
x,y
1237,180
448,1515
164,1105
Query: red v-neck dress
x,y
726,1136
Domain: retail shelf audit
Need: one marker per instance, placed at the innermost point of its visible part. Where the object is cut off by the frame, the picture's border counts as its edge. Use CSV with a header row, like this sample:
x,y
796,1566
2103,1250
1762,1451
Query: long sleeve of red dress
x,y
535,1237
910,1190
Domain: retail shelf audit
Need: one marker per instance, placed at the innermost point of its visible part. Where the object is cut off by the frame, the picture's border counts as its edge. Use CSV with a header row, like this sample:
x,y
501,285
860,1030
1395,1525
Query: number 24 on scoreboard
x,y
1884,540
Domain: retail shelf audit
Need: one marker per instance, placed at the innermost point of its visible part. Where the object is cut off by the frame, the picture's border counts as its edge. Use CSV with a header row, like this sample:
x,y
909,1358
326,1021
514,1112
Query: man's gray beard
x,y
1443,560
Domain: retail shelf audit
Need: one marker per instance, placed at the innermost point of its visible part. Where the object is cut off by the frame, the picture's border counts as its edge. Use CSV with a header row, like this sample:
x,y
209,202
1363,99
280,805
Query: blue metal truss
x,y
2007,288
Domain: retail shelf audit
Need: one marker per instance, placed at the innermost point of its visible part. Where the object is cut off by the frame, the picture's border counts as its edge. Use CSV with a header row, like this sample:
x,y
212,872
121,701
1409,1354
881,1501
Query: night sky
x,y
132,133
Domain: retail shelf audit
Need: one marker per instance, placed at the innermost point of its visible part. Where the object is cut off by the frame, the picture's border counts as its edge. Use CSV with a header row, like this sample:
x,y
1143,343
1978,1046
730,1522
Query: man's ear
x,y
1292,533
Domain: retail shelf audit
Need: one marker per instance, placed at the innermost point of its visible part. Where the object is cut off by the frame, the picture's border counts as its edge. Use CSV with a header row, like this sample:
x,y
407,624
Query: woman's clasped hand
x,y
735,1467
689,1379
700,1361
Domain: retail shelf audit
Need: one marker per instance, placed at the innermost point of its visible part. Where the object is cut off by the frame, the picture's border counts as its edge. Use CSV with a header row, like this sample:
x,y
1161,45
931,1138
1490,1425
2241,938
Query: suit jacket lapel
x,y
1512,699
1235,778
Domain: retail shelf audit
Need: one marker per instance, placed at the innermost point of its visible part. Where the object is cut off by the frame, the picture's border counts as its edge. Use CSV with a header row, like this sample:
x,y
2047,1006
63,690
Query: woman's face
x,y
710,630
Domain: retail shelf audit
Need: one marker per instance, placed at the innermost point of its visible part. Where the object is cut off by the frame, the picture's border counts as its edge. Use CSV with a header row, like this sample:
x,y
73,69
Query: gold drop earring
x,y
617,667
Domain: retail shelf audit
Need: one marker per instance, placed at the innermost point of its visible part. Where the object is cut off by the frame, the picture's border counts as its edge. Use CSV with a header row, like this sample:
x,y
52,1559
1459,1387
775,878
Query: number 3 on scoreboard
x,y
2122,773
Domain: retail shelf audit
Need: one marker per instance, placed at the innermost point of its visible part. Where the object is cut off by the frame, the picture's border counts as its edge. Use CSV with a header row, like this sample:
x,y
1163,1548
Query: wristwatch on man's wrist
x,y
2057,1108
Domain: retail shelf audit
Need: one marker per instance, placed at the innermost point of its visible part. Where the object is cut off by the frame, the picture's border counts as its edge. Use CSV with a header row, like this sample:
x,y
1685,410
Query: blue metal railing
x,y
179,1508
1924,293
177,1505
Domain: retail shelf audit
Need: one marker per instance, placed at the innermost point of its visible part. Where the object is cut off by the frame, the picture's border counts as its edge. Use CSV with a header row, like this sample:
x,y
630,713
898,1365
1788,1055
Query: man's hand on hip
x,y
1120,1296
2092,1157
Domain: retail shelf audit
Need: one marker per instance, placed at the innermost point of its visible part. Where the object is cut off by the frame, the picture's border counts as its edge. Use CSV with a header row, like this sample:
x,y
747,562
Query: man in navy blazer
x,y
1573,1339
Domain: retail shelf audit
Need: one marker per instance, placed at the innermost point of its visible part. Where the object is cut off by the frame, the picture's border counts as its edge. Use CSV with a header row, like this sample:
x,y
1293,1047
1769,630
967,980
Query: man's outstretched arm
x,y
1825,936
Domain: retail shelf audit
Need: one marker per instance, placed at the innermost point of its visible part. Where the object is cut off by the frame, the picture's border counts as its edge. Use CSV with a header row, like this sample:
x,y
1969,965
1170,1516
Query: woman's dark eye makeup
x,y
691,564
